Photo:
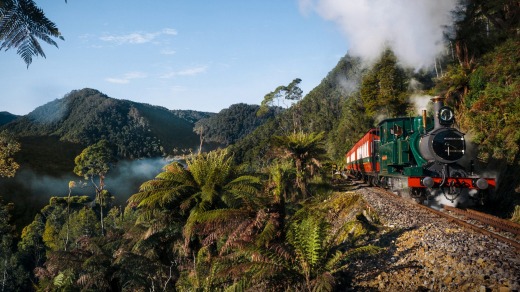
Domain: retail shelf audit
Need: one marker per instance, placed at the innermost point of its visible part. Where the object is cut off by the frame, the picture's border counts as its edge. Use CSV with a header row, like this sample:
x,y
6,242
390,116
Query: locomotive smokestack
x,y
438,103
424,117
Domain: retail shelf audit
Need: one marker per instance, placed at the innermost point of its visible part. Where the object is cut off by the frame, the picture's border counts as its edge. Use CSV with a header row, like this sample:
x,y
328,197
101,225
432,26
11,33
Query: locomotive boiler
x,y
419,156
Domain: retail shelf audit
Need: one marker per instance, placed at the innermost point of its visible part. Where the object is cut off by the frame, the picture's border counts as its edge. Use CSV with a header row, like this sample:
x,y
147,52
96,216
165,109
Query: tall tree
x,y
384,87
94,162
6,246
290,93
22,23
479,25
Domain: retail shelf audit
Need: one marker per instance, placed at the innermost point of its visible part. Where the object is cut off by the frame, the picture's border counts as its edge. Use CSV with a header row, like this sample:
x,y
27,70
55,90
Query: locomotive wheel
x,y
418,195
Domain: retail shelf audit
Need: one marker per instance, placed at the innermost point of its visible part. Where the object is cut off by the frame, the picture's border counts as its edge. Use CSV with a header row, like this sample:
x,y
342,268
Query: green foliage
x,y
354,123
210,181
313,256
31,248
453,84
233,123
291,92
95,160
282,175
493,103
516,215
306,151
384,89
8,148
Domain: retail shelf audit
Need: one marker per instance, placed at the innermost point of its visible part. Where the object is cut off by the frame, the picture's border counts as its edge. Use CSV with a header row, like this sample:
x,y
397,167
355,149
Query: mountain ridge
x,y
7,117
87,115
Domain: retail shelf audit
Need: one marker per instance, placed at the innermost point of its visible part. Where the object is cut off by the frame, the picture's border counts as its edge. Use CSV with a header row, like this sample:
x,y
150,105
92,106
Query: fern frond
x,y
323,282
21,24
239,286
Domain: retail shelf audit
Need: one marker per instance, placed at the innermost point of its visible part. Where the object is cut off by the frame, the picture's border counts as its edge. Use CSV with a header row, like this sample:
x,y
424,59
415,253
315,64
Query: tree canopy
x,y
8,148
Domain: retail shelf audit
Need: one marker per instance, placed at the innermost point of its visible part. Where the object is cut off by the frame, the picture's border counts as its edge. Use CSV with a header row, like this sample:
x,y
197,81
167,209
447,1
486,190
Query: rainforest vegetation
x,y
259,213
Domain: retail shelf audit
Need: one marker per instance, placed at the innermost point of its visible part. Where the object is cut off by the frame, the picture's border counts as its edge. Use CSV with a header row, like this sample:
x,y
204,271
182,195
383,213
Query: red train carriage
x,y
361,160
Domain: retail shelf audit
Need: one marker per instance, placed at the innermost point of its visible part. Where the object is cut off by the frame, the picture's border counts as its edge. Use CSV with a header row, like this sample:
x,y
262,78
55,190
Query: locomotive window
x,y
397,130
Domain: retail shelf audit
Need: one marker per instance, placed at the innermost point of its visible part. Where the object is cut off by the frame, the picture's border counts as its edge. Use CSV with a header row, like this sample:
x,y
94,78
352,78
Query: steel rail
x,y
488,219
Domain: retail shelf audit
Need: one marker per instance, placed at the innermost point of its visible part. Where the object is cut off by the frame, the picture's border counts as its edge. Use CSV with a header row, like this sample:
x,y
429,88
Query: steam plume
x,y
412,28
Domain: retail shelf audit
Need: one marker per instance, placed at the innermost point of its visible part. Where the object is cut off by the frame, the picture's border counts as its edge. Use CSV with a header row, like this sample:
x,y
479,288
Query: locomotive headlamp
x,y
446,115
427,182
481,183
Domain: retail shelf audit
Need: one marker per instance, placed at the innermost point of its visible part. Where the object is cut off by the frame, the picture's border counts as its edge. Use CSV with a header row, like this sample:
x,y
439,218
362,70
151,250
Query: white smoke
x,y
420,102
412,28
348,85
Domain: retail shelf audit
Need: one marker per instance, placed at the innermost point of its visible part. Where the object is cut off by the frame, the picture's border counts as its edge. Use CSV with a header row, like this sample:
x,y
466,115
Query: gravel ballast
x,y
425,252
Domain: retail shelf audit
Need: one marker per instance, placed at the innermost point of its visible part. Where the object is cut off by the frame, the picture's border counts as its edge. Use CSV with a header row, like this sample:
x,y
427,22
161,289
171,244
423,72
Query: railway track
x,y
500,229
490,225
423,250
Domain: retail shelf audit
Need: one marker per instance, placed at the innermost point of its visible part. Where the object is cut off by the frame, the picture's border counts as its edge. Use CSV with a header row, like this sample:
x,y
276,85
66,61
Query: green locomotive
x,y
417,155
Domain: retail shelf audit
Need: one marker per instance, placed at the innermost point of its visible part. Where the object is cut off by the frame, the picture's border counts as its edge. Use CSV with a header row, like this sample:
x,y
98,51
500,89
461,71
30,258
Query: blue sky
x,y
179,54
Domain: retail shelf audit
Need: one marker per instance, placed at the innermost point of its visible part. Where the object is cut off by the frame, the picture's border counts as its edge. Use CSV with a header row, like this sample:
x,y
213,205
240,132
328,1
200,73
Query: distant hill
x,y
233,123
6,117
135,129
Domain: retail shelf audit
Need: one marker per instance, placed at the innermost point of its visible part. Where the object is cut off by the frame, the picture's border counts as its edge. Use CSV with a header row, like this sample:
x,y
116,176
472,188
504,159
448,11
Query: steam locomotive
x,y
418,156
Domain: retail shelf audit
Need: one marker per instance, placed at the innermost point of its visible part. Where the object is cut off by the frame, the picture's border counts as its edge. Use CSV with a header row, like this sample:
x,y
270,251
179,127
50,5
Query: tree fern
x,y
22,23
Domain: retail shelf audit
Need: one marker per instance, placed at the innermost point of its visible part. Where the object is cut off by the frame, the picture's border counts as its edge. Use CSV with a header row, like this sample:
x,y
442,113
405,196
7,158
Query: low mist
x,y
30,191
124,180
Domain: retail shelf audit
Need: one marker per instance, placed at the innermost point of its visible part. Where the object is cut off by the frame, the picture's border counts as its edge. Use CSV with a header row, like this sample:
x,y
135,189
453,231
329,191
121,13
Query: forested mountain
x,y
320,110
6,117
233,123
135,129
349,101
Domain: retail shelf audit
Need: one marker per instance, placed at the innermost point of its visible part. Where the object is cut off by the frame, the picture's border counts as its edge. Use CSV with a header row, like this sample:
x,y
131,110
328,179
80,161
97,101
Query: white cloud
x,y
135,75
117,80
412,28
169,31
137,37
167,52
125,79
193,71
186,72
